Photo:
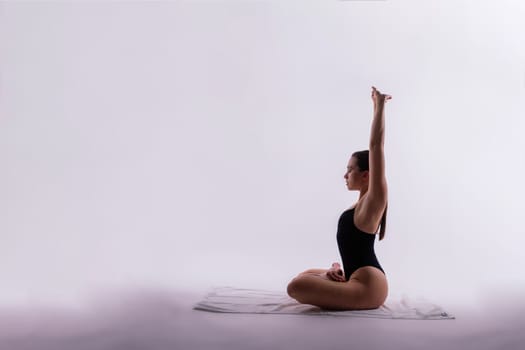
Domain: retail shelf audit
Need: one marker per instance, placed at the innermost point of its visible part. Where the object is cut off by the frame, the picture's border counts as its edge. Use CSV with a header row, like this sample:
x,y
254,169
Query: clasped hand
x,y
335,273
379,98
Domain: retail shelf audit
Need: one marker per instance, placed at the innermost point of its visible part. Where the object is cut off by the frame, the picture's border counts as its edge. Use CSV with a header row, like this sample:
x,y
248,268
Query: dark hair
x,y
363,164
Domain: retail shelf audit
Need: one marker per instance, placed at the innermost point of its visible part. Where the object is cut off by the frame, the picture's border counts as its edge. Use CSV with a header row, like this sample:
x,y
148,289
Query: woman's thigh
x,y
374,281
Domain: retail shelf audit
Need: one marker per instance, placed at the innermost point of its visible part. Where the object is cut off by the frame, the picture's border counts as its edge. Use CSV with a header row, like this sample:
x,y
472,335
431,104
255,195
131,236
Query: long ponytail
x,y
383,224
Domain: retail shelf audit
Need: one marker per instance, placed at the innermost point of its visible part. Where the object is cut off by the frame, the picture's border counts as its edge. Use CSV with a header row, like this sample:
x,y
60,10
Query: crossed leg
x,y
313,287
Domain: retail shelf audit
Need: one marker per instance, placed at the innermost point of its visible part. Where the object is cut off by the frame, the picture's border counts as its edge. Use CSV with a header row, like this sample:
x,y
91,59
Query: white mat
x,y
240,300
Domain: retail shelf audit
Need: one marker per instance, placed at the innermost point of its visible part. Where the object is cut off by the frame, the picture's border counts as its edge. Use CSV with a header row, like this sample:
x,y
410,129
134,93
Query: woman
x,y
363,285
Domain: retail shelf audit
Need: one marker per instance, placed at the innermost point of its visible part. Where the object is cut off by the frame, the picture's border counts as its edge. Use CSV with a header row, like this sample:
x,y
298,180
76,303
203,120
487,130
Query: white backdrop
x,y
191,144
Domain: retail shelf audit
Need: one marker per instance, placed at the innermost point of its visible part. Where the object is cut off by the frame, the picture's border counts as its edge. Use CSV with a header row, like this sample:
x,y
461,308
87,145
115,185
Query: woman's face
x,y
353,175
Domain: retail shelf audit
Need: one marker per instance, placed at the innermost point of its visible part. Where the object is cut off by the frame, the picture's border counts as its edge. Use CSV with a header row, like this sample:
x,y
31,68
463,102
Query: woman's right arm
x,y
378,188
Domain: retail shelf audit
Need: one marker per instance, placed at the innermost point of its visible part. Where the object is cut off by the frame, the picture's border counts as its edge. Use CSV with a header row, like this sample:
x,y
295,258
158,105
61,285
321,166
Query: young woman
x,y
363,285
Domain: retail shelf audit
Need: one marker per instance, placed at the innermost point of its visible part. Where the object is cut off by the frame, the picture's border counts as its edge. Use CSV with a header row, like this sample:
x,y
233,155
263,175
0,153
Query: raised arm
x,y
377,188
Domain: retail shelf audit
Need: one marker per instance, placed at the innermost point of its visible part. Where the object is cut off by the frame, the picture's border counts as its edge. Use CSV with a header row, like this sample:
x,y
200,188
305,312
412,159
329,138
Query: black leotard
x,y
355,246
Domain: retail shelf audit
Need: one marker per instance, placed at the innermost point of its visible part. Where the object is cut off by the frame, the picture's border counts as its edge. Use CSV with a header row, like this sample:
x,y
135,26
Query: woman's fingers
x,y
340,275
331,275
379,94
336,275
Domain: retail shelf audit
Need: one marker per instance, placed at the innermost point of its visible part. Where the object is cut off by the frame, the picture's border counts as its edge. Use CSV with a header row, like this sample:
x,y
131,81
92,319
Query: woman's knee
x,y
294,285
300,284
290,289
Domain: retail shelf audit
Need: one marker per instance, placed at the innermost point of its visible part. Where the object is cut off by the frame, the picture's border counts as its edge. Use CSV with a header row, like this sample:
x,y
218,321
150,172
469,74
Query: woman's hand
x,y
335,273
379,98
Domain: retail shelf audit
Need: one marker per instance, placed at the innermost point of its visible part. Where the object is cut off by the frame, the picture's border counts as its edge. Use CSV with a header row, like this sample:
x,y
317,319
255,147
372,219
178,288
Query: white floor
x,y
165,320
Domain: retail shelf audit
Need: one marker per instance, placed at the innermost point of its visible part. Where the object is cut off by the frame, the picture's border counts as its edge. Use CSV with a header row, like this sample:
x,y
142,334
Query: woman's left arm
x,y
378,187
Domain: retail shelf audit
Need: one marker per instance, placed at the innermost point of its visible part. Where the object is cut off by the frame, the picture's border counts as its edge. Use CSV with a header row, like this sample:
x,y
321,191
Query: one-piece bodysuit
x,y
355,246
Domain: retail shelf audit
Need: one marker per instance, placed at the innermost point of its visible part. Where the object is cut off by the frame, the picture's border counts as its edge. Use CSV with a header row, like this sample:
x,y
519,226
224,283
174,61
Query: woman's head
x,y
357,171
